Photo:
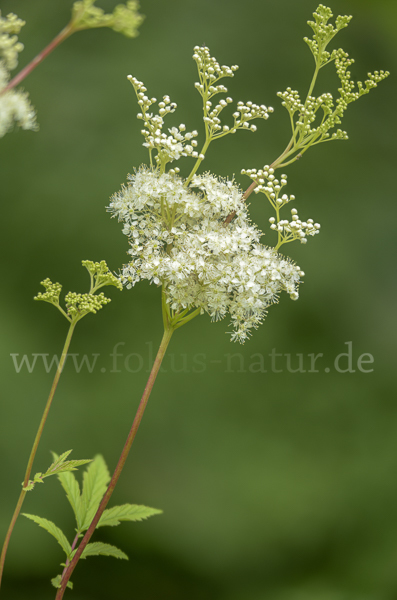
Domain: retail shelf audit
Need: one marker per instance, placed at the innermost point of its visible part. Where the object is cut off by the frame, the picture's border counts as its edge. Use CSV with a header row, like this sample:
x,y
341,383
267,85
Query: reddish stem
x,y
254,184
65,33
73,546
244,197
123,457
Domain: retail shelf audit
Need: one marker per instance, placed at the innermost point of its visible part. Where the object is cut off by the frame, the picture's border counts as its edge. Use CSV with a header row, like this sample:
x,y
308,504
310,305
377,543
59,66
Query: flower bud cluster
x,y
269,185
178,240
125,18
9,45
52,292
323,32
294,229
288,231
291,100
210,72
100,274
209,69
244,113
79,305
347,93
169,147
304,133
247,112
308,114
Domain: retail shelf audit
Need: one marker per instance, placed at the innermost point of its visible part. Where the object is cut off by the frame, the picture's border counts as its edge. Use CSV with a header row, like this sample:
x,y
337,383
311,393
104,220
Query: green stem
x,y
313,82
73,546
61,37
123,457
10,530
276,164
290,149
34,447
289,162
278,232
189,317
198,161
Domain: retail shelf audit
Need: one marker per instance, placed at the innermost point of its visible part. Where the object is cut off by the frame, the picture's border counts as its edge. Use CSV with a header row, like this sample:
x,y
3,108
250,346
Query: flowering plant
x,y
201,247
193,237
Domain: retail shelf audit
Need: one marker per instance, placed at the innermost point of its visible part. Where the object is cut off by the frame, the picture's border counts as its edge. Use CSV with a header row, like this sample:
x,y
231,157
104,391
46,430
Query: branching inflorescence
x,y
194,236
177,229
309,127
79,305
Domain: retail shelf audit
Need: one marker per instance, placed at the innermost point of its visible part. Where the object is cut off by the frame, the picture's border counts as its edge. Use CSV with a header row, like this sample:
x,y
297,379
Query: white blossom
x,y
178,239
15,107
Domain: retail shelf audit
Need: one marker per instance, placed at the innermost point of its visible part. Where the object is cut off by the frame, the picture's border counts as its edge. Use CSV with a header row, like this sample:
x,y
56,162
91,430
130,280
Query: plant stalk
x,y
198,161
61,37
34,448
73,546
275,164
123,457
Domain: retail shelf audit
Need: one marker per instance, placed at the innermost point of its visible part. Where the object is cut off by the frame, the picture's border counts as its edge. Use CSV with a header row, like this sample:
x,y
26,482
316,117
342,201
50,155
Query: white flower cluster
x,y
179,240
169,147
14,105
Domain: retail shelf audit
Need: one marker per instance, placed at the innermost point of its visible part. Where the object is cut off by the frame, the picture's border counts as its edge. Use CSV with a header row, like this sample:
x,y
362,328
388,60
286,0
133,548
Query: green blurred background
x,y
276,485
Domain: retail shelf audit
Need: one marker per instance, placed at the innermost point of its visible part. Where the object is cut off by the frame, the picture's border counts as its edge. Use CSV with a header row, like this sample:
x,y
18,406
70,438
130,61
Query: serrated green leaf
x,y
126,512
56,582
61,458
61,465
29,487
100,548
58,466
69,465
53,530
72,489
38,478
95,480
